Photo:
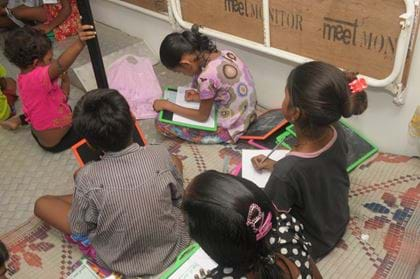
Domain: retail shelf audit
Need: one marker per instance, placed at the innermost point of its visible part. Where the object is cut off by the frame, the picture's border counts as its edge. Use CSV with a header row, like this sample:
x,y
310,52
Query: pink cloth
x,y
135,79
43,100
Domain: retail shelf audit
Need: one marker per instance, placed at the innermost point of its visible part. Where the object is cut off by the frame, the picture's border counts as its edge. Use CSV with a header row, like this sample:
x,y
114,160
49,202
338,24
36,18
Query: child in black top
x,y
312,180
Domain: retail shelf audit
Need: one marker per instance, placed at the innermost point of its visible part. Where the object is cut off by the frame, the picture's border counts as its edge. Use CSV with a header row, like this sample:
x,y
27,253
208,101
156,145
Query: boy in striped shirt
x,y
128,203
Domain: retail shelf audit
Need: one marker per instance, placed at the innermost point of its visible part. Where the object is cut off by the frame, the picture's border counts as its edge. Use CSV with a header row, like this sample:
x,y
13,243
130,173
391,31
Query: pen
x,y
271,152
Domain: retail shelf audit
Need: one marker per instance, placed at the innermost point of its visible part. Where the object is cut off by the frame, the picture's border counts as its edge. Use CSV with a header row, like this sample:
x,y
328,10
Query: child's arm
x,y
66,59
60,18
83,213
79,209
65,84
260,163
201,115
178,164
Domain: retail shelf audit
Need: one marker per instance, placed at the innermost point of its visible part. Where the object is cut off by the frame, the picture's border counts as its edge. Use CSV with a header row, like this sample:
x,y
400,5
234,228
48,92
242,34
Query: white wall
x,y
384,123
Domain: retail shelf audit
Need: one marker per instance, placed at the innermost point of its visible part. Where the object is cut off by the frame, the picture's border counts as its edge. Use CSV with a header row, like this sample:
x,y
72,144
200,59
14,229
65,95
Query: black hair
x,y
322,94
103,118
217,206
23,45
177,44
4,254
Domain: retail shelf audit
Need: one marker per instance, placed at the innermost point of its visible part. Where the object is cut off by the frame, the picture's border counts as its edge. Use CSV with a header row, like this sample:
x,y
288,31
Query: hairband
x,y
255,215
358,85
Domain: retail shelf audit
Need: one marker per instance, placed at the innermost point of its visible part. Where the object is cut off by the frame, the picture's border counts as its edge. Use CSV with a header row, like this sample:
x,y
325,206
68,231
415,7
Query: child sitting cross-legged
x,y
220,79
127,205
60,17
312,181
44,99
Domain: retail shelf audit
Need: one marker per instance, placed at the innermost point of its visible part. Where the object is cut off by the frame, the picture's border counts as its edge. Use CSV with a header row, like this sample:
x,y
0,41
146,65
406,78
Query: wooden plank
x,y
239,18
357,35
160,6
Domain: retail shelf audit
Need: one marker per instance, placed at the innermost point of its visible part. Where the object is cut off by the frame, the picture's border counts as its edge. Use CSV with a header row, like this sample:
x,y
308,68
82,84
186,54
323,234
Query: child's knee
x,y
41,204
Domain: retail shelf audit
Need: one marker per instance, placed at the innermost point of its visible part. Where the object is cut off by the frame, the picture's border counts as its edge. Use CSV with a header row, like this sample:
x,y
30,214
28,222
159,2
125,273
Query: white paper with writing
x,y
199,261
248,170
180,100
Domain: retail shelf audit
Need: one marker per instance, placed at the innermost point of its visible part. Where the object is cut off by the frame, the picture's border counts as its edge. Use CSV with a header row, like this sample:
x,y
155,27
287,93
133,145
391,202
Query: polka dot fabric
x,y
286,239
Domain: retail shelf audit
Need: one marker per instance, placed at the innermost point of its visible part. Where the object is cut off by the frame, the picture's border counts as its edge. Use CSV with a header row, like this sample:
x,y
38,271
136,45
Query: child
x,y
312,180
8,95
219,78
44,101
236,224
61,17
4,257
128,203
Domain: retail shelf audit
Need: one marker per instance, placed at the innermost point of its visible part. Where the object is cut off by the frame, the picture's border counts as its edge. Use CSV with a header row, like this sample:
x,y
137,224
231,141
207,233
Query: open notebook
x,y
86,269
178,97
248,171
193,262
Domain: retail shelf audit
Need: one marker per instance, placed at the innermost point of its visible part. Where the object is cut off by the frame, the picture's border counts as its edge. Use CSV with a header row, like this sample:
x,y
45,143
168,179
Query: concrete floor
x,y
27,172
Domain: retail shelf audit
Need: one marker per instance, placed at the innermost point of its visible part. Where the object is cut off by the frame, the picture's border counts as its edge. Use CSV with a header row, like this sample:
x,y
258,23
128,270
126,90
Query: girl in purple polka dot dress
x,y
220,78
237,225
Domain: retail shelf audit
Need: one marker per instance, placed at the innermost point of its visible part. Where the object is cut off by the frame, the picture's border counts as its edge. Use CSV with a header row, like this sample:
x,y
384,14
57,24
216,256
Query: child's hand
x,y
260,163
202,274
86,32
43,27
192,96
65,77
159,105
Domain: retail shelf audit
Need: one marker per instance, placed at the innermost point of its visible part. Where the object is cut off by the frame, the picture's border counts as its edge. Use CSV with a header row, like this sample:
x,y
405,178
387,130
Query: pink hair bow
x,y
358,85
256,221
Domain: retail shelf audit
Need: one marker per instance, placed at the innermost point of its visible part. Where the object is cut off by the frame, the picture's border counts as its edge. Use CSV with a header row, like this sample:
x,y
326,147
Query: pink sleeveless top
x,y
43,101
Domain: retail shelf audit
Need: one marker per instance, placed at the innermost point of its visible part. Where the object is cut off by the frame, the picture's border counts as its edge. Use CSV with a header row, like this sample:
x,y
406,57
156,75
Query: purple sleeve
x,y
208,87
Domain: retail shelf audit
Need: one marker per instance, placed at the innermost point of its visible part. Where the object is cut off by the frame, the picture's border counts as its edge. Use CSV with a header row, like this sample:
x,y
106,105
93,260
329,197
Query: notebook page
x,y
180,100
199,261
248,170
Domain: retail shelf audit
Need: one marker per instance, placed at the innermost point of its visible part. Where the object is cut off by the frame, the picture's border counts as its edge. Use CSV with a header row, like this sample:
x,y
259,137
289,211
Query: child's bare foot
x,y
11,124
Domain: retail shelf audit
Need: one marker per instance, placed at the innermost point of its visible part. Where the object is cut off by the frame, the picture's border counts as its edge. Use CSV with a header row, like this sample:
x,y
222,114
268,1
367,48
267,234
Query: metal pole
x,y
93,45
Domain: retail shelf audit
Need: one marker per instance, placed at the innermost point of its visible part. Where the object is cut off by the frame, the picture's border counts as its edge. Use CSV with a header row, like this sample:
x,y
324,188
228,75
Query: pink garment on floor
x,y
135,79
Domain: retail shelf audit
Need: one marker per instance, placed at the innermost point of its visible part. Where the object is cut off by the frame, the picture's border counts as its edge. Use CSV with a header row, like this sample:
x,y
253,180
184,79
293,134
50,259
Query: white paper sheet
x,y
248,171
180,100
199,261
83,272
50,1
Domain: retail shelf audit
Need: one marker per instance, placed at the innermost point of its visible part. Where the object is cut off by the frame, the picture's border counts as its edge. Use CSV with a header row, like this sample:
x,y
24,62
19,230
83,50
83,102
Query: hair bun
x,y
357,102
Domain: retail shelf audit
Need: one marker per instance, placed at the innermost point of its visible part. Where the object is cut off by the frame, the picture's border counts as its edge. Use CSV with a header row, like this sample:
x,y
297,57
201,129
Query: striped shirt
x,y
129,205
